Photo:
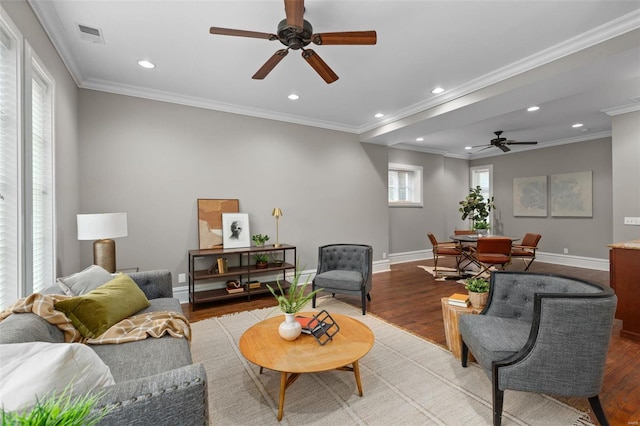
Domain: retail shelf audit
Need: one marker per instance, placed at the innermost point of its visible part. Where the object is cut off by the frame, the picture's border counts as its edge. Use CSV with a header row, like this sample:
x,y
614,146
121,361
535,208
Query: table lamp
x,y
277,213
102,227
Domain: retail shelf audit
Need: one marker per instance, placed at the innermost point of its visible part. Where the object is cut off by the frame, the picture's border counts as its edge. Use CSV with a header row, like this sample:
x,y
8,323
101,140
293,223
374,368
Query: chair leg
x,y
313,301
364,303
528,264
498,399
369,297
598,411
465,354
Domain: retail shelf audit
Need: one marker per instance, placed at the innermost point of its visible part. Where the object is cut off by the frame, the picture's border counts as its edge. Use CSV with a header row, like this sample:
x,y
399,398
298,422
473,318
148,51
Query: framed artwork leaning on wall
x,y
235,230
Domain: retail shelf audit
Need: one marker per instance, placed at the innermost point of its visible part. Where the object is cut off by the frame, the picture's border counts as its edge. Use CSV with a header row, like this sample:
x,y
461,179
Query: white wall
x,y
626,174
153,160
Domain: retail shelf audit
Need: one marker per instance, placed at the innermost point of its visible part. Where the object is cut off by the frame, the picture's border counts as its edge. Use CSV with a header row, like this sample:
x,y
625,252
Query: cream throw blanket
x,y
137,327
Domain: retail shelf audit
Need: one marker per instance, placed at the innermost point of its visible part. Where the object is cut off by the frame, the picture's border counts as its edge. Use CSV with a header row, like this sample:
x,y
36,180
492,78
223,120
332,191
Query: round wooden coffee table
x,y
262,345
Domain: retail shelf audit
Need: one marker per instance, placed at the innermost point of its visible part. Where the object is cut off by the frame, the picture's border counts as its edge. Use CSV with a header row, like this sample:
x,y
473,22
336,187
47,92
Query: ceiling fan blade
x,y
295,11
345,37
520,143
241,33
504,148
320,66
485,147
270,64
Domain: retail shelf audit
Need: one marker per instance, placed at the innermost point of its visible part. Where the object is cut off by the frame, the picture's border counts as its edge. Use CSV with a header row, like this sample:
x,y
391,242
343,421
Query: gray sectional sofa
x,y
156,382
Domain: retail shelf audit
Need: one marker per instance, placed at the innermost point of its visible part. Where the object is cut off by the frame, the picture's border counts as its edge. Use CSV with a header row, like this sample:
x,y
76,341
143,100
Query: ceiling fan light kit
x,y
296,33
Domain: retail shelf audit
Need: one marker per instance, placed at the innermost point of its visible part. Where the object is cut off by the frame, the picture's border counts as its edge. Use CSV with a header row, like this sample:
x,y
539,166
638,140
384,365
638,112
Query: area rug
x,y
406,381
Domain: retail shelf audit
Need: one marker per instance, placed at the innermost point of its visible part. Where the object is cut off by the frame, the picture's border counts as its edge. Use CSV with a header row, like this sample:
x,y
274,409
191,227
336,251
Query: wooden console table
x,y
624,270
450,315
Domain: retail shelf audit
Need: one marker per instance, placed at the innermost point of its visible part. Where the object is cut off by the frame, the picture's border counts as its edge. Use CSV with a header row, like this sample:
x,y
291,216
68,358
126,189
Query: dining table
x,y
465,241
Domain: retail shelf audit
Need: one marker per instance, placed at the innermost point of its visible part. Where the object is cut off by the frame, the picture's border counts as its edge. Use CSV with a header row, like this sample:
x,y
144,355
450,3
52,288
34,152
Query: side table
x,y
450,315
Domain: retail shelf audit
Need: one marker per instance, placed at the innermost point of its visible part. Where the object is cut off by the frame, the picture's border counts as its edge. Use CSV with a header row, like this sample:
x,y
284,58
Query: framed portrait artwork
x,y
235,230
210,220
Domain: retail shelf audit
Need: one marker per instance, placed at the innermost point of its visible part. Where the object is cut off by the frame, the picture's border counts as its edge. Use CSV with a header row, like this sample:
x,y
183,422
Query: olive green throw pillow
x,y
95,312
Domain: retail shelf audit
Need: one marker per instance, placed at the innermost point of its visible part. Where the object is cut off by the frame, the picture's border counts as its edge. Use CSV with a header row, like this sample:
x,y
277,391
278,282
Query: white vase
x,y
289,329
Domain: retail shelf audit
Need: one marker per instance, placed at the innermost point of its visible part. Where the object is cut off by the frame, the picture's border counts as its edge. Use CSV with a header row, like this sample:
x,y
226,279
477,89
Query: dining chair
x,y
491,252
527,249
444,249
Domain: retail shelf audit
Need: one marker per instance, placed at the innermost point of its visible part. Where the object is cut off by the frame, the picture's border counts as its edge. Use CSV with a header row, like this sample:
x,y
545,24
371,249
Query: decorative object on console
x,y
478,291
277,212
103,227
235,230
260,239
262,260
210,220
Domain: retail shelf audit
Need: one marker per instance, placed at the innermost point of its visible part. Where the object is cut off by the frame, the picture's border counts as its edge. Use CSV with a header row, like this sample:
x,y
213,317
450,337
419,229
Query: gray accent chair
x,y
345,269
542,333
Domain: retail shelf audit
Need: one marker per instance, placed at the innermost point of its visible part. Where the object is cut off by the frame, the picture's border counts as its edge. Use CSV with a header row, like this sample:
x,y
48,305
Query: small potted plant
x,y
478,291
290,303
262,260
260,239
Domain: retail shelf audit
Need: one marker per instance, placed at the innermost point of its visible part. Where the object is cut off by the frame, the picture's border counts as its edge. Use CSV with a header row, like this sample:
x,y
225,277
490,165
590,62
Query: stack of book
x,y
252,285
459,299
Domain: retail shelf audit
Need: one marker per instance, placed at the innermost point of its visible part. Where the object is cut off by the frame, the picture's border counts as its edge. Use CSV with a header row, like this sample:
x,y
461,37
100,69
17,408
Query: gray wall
x,y
586,237
445,183
153,160
66,137
626,174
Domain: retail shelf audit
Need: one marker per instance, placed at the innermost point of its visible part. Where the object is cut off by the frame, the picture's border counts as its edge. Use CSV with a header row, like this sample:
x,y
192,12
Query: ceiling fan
x,y
502,143
296,33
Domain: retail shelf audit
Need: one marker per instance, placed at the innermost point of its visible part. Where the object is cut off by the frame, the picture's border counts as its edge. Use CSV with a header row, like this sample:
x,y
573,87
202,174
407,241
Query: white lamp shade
x,y
102,225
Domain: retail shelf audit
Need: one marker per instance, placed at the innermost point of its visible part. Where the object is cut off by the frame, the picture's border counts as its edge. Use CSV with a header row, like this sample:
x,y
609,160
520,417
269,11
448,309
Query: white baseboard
x,y
182,292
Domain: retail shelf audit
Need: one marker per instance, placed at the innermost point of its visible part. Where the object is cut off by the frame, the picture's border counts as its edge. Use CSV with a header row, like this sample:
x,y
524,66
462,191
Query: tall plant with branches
x,y
476,208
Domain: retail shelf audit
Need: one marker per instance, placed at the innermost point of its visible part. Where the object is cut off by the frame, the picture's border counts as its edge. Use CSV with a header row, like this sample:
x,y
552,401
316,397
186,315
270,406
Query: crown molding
x,y
158,95
621,109
602,33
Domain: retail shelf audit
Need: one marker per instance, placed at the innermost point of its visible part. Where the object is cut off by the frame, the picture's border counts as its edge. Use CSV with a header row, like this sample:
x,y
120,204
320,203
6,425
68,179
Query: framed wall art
x,y
210,220
572,194
530,196
235,230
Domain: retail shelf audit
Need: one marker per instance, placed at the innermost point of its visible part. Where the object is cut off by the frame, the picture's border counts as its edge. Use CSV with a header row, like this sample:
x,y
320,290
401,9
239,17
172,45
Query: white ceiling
x,y
574,59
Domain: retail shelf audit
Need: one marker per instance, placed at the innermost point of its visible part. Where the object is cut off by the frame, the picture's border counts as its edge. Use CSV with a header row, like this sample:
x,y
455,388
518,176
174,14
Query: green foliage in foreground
x,y
58,410
294,299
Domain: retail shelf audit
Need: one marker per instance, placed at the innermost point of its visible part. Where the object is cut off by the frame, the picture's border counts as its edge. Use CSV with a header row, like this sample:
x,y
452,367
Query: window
x,y
10,259
39,187
482,176
26,168
405,185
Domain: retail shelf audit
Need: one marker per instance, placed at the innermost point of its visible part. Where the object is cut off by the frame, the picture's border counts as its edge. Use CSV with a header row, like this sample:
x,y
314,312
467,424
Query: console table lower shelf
x,y
218,294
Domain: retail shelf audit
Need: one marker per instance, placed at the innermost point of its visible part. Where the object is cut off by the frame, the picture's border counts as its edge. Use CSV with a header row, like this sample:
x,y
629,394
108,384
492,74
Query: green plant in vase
x,y
478,291
476,208
290,303
260,239
261,259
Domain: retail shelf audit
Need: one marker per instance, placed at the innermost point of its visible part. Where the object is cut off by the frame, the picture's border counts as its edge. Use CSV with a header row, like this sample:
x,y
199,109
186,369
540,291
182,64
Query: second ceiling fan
x,y
296,33
501,143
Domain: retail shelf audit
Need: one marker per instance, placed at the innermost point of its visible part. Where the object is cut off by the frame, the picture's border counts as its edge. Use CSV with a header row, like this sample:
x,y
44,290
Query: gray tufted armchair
x,y
345,268
542,333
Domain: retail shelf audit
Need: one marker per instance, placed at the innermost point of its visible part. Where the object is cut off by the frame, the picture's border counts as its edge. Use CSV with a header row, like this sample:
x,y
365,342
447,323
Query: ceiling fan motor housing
x,y
294,37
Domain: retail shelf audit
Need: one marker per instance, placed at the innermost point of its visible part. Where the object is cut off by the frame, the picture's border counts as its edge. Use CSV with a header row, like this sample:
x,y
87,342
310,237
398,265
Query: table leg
x,y
356,372
283,388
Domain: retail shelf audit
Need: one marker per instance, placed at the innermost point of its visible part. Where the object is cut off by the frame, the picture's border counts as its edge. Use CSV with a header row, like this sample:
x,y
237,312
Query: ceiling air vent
x,y
89,33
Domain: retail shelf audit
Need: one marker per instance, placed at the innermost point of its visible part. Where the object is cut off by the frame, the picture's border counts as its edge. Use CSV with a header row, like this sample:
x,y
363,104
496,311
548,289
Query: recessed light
x,y
419,139
293,97
468,147
379,115
146,64
575,126
533,108
437,90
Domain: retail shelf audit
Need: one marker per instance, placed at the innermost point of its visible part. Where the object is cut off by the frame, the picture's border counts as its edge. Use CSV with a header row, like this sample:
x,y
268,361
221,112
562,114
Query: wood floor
x,y
410,298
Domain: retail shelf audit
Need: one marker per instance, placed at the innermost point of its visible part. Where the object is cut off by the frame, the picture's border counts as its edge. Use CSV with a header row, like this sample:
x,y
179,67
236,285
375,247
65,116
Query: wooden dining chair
x,y
491,251
527,250
444,249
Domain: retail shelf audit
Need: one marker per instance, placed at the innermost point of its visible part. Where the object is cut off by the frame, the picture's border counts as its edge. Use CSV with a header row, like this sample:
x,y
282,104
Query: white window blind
x,y
9,164
41,200
405,185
